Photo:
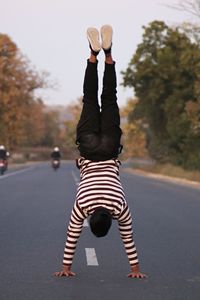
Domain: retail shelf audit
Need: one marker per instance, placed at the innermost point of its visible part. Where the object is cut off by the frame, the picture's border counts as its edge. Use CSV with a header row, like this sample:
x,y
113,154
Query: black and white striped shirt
x,y
100,186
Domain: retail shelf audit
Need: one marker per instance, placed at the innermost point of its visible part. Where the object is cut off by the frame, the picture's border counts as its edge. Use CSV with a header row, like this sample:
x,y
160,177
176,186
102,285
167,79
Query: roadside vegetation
x,y
167,170
165,74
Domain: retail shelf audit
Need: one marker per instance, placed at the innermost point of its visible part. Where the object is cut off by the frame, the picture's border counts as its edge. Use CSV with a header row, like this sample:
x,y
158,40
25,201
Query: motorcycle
x,y
3,166
55,164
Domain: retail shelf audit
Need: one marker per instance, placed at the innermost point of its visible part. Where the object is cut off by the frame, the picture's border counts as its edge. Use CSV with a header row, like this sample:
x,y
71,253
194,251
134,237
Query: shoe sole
x,y
106,36
93,38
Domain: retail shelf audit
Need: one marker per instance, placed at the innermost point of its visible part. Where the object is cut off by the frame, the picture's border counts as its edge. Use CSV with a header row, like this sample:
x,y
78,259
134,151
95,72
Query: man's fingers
x,y
143,276
137,275
62,274
59,274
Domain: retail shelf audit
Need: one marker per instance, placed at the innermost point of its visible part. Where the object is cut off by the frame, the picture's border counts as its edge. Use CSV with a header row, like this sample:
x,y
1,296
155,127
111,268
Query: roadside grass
x,y
168,170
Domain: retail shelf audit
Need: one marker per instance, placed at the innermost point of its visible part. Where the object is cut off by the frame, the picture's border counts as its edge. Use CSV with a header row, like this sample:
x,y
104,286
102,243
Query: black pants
x,y
98,130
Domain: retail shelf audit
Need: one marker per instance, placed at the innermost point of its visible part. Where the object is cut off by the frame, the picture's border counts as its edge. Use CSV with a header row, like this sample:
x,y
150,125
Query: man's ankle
x,y
109,59
92,58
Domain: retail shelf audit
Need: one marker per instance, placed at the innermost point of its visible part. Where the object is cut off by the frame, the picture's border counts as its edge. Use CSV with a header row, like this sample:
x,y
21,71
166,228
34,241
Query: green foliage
x,y
74,111
133,138
164,73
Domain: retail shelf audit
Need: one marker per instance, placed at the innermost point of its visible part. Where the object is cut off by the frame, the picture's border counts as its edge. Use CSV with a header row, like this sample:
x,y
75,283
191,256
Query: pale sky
x,y
52,34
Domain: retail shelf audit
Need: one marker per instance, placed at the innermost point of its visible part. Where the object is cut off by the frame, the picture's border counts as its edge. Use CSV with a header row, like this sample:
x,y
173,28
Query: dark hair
x,y
100,221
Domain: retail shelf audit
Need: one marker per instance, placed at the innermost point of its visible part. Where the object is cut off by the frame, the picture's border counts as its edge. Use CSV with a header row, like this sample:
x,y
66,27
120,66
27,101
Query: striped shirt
x,y
100,186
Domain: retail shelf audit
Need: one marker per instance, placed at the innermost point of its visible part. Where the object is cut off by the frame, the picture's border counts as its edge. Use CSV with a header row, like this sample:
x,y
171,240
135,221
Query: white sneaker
x,y
106,36
93,38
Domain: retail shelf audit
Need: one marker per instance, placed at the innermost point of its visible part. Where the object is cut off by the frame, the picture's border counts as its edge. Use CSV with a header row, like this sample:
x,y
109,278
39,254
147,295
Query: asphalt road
x,y
35,205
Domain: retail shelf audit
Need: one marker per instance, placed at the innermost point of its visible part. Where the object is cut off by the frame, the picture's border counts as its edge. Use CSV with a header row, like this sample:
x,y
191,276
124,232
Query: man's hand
x,y
65,272
135,273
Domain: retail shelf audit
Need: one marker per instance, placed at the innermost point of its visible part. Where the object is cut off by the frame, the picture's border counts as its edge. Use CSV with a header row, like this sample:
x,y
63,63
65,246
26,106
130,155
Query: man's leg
x,y
89,119
110,117
90,116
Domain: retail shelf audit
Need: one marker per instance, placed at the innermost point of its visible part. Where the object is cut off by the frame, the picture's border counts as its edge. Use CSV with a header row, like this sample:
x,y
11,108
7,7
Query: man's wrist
x,y
135,268
66,268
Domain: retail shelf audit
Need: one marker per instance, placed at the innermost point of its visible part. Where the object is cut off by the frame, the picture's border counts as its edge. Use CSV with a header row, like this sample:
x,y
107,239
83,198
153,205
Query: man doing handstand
x,y
100,194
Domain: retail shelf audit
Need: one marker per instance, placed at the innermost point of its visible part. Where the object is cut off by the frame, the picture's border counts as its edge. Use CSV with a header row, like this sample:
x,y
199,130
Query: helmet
x,y
2,147
56,149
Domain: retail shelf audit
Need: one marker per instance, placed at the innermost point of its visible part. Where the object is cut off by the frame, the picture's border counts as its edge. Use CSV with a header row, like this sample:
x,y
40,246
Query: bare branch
x,y
190,6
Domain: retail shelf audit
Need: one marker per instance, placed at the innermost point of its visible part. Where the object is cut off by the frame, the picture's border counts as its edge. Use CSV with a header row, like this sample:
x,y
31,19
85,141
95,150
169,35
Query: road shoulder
x,y
176,180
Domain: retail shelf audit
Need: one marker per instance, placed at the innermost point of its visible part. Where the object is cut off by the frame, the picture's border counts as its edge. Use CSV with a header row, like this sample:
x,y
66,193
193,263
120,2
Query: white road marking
x,y
85,223
91,257
16,173
76,179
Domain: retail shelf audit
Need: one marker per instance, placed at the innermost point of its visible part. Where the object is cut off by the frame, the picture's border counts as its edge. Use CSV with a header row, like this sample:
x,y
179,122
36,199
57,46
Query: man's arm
x,y
126,233
73,233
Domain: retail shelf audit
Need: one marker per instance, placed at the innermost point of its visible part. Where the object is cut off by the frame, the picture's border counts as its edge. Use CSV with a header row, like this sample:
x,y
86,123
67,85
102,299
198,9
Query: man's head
x,y
100,221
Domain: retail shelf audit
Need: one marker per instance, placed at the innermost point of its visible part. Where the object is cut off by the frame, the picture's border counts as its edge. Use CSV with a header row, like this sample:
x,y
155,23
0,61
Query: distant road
x,y
35,205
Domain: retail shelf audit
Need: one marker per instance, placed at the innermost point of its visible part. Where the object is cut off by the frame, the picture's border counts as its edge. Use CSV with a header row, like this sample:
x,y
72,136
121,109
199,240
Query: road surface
x,y
35,205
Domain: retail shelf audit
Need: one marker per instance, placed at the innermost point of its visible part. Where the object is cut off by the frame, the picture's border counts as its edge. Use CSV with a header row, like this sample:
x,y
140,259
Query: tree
x,y
18,83
133,138
190,28
191,6
165,74
74,111
52,129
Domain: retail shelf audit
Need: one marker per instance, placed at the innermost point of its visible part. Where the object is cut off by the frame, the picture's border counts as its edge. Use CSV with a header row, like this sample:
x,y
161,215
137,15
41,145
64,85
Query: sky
x,y
52,35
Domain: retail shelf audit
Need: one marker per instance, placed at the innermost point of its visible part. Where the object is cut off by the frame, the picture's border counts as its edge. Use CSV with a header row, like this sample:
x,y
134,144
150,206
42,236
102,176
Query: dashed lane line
x,y
91,257
85,223
76,179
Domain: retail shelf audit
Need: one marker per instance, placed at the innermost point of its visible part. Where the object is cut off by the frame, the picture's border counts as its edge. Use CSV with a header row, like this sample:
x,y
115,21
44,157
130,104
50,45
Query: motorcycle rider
x,y
3,151
4,154
55,155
